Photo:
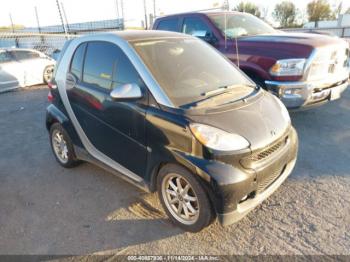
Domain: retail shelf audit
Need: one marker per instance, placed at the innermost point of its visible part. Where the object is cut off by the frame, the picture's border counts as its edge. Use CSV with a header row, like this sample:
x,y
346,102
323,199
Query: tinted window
x,y
195,26
5,57
168,25
125,72
77,61
106,66
24,55
100,61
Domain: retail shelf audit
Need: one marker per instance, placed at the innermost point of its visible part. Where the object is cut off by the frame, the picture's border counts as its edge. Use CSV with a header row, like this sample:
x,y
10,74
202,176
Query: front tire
x,y
184,198
62,146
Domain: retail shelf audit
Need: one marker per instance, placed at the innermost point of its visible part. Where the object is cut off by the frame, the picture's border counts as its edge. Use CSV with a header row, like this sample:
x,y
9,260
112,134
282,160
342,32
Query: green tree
x,y
285,13
318,10
248,7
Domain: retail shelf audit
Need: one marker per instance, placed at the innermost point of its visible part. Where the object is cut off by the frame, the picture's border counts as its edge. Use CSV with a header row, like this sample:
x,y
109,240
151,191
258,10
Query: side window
x,y
168,25
100,61
196,27
5,57
76,67
125,72
106,66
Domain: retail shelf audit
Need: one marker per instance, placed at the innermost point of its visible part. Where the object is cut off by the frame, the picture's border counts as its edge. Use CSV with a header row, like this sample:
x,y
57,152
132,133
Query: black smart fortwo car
x,y
169,113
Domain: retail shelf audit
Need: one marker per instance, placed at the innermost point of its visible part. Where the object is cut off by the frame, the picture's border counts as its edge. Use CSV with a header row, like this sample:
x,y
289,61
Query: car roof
x,y
135,35
204,12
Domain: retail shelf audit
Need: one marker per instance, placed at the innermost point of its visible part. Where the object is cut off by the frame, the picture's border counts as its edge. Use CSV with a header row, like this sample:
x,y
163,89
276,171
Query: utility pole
x,y
65,17
37,19
117,7
61,18
122,12
13,29
154,9
122,7
12,26
145,10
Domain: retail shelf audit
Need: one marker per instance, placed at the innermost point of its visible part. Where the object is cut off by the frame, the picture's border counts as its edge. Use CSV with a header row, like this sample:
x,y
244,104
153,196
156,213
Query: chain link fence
x,y
50,44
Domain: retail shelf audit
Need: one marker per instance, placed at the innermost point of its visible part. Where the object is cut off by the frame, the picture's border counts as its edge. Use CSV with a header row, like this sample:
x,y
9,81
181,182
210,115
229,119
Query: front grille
x,y
267,180
329,61
258,156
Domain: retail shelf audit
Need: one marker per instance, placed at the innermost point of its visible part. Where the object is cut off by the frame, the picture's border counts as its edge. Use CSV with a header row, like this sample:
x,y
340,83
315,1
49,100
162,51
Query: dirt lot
x,y
46,209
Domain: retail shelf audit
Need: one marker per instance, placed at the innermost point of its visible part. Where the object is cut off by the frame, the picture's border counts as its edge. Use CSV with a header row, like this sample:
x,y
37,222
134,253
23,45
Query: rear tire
x,y
62,146
184,198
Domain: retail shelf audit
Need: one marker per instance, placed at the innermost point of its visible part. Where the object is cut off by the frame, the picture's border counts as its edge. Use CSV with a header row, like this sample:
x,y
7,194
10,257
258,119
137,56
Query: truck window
x,y
168,25
196,27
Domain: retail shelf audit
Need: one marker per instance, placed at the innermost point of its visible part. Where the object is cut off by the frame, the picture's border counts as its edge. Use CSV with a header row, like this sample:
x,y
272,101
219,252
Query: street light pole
x,y
145,10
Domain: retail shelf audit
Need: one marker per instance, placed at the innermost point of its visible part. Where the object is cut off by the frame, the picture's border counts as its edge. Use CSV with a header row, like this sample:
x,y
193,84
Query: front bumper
x,y
296,95
237,199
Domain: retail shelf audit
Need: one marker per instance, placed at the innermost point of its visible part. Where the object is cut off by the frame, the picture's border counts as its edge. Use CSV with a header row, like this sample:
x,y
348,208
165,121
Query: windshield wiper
x,y
223,89
218,91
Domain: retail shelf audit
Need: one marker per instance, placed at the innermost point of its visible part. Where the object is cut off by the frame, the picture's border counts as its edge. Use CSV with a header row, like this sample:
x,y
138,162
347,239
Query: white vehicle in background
x,y
24,67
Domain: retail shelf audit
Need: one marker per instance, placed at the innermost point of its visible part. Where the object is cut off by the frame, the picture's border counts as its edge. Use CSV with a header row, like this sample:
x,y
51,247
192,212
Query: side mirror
x,y
211,39
126,91
206,36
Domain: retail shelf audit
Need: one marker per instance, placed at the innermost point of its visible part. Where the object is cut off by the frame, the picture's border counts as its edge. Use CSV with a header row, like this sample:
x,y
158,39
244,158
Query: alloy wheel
x,y
180,199
60,146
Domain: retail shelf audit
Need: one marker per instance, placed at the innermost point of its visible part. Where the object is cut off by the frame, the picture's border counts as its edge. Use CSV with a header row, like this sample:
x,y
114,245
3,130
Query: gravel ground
x,y
46,209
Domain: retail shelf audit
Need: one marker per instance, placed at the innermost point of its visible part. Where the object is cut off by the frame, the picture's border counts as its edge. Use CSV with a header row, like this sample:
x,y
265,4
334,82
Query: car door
x,y
11,72
115,128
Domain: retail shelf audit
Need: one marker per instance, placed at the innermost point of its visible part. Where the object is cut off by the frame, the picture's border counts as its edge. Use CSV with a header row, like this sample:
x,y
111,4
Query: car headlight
x,y
288,67
218,139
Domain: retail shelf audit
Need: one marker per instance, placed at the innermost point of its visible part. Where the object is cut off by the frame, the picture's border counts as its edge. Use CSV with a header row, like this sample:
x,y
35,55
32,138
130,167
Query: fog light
x,y
292,91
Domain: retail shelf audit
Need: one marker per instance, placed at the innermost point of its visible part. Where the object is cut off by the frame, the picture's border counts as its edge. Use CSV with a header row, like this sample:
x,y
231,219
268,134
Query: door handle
x,y
70,80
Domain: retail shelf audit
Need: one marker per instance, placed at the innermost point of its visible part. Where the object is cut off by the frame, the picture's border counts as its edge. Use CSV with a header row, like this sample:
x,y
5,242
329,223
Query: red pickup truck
x,y
303,70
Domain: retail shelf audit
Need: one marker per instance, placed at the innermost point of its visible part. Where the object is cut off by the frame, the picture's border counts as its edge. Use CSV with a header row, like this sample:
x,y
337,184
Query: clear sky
x,y
22,11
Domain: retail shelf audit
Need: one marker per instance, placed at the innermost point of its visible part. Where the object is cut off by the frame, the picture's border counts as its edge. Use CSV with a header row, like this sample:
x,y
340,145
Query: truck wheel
x,y
184,198
62,146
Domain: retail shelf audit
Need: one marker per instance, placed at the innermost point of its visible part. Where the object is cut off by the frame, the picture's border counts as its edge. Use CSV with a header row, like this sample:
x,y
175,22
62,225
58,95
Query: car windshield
x,y
240,24
189,70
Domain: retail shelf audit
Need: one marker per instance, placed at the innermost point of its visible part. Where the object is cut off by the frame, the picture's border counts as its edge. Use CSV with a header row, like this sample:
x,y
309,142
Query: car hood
x,y
261,121
313,40
285,45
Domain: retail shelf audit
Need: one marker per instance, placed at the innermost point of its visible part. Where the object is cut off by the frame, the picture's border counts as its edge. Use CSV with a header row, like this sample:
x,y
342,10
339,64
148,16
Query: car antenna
x,y
236,42
237,53
225,22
